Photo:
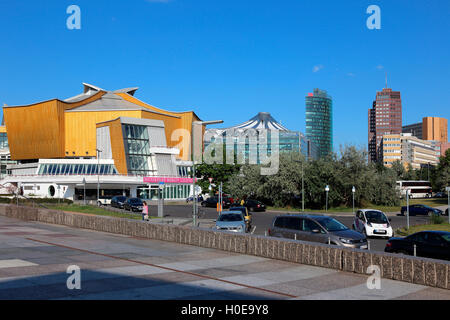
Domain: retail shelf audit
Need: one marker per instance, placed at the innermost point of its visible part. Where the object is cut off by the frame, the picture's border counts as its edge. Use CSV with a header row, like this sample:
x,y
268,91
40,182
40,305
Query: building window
x,y
137,149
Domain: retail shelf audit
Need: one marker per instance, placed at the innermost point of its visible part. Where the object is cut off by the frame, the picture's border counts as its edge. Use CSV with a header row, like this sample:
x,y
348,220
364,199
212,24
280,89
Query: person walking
x,y
145,212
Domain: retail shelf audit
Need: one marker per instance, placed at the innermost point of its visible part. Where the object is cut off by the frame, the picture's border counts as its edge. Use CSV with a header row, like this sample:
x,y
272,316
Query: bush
x,y
435,219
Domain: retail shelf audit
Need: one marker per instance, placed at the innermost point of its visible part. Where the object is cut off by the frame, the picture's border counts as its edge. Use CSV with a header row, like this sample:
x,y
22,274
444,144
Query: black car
x,y
254,205
191,198
118,201
430,244
134,205
416,209
211,202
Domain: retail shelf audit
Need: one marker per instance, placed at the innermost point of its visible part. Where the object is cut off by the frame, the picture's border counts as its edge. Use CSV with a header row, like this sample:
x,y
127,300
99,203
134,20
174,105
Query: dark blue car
x,y
420,209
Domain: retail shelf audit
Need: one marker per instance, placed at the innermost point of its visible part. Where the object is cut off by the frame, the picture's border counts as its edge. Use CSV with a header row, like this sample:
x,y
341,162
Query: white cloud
x,y
351,74
318,68
380,67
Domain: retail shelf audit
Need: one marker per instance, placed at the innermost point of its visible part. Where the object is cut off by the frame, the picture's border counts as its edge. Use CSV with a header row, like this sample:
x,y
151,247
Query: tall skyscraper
x,y
385,117
319,121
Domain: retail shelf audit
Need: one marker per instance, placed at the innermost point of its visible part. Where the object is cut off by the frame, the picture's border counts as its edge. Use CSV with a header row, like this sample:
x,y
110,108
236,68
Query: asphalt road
x,y
263,220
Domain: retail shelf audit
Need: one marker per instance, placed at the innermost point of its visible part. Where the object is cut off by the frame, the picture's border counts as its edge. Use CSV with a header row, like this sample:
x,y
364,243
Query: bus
x,y
417,189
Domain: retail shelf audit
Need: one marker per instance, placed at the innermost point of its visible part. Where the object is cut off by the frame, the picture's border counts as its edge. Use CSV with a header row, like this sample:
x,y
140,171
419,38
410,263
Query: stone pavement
x,y
34,259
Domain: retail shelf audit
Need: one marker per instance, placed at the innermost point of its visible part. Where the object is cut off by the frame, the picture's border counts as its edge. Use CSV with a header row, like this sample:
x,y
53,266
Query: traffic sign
x,y
447,189
210,180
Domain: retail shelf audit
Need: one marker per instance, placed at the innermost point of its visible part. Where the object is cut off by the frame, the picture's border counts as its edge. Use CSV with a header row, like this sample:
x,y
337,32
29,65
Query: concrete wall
x,y
429,272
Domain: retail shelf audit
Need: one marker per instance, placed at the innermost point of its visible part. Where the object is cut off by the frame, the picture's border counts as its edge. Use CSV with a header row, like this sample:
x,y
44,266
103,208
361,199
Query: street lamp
x,y
98,175
353,192
327,188
303,186
194,197
448,210
84,192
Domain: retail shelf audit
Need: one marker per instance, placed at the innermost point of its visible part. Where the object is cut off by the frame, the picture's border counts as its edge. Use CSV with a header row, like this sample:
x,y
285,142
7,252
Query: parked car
x,y
440,195
211,202
372,223
421,209
431,244
231,221
247,215
134,205
103,201
191,198
254,205
322,229
118,201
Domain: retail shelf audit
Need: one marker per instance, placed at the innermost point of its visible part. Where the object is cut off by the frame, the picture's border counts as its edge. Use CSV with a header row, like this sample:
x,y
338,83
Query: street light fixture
x,y
194,197
84,191
303,186
98,175
353,192
327,188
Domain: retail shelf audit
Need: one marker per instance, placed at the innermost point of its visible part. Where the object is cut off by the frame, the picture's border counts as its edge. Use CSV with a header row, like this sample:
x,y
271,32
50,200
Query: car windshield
x,y
376,217
238,209
446,237
230,217
331,224
121,199
135,201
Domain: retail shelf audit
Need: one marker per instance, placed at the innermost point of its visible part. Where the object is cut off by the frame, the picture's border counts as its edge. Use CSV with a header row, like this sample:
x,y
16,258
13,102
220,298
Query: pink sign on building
x,y
157,180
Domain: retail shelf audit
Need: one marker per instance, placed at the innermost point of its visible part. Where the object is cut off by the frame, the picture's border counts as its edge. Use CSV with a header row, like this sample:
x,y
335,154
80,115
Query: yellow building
x,y
409,150
434,128
67,129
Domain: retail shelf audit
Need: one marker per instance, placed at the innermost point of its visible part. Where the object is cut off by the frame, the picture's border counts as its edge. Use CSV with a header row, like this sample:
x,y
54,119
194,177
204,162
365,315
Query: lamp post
x,y
303,186
84,191
407,209
353,192
194,197
448,210
98,175
327,188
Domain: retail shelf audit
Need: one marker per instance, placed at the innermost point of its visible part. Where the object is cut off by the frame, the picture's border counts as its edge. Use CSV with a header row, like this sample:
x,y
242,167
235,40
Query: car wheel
x,y
99,203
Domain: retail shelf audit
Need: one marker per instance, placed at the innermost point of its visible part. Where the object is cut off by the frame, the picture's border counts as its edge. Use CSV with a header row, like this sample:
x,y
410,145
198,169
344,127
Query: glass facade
x,y
4,141
76,169
319,121
170,192
137,149
289,141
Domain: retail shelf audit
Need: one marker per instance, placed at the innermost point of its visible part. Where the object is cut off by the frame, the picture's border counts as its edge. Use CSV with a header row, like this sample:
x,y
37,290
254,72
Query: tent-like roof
x,y
262,120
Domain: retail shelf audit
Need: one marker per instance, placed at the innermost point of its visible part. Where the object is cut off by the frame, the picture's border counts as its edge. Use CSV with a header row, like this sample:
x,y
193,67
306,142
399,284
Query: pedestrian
x,y
145,212
242,202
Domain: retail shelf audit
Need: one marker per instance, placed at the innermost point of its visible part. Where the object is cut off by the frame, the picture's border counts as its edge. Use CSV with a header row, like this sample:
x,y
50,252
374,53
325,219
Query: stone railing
x,y
429,272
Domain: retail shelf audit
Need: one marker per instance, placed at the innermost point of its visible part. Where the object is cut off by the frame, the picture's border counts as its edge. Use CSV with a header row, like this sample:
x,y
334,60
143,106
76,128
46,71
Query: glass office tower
x,y
319,121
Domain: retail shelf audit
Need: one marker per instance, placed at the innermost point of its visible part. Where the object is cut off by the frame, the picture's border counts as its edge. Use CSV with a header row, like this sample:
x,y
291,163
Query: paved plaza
x,y
34,259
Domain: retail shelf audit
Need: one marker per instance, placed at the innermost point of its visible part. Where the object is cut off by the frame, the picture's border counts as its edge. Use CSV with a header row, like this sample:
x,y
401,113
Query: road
x,y
263,220
35,260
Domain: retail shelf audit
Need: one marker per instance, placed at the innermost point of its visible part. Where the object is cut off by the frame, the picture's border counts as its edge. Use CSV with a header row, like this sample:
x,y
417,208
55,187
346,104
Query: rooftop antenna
x,y
386,81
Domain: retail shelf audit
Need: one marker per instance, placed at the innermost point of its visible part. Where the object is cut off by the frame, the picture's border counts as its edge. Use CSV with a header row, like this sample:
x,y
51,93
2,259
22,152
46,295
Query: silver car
x,y
231,221
313,228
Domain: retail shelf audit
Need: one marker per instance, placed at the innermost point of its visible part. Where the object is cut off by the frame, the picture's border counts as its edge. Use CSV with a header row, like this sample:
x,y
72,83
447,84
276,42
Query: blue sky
x,y
231,59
